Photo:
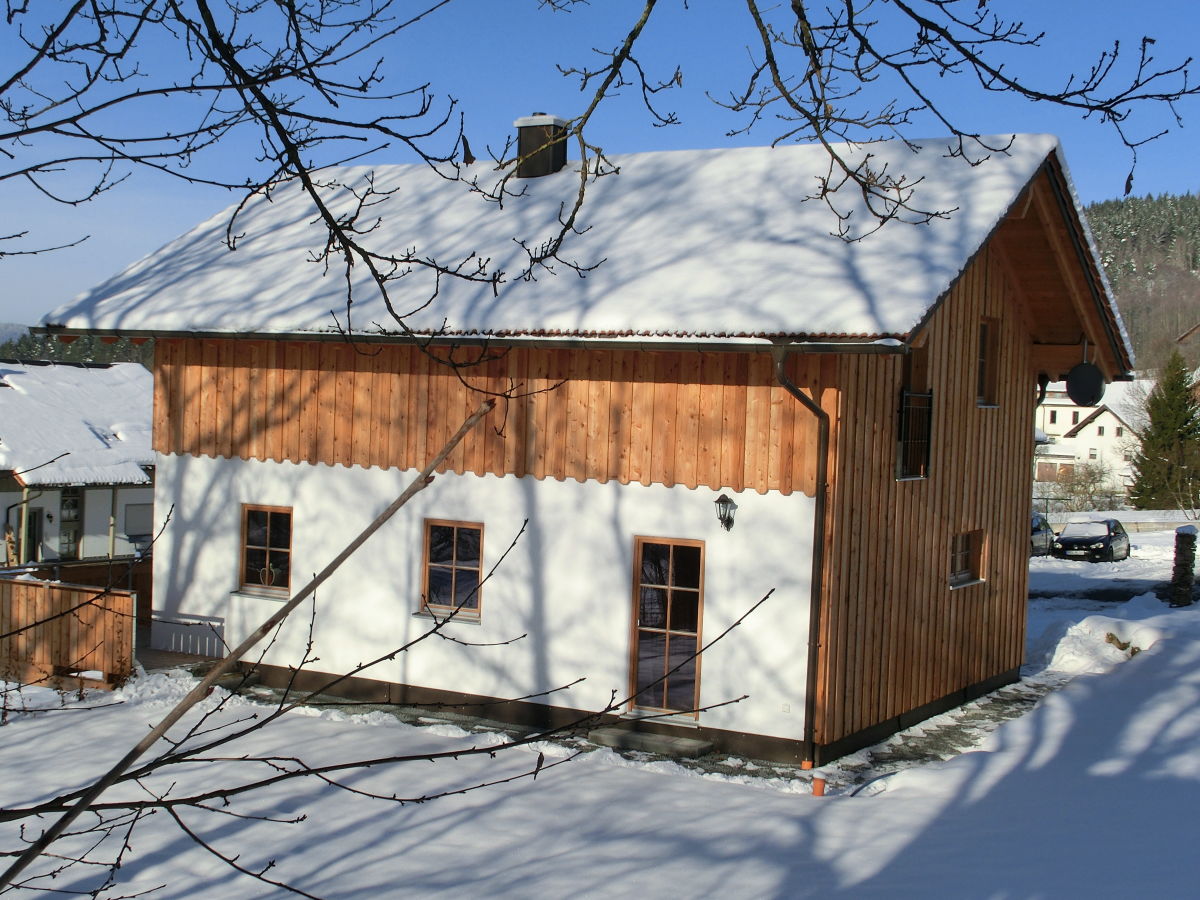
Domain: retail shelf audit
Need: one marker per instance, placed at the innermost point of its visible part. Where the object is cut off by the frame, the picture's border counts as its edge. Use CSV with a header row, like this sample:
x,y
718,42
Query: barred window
x,y
915,432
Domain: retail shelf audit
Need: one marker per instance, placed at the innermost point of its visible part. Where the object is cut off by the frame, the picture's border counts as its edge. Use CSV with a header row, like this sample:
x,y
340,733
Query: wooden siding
x,y
711,419
894,637
55,631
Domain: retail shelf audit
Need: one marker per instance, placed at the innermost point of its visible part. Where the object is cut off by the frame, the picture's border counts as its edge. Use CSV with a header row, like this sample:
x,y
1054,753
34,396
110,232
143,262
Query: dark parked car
x,y
1041,537
1102,539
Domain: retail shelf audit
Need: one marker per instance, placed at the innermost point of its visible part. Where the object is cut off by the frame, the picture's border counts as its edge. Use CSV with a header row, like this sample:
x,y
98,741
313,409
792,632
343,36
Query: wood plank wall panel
x,y
712,419
893,635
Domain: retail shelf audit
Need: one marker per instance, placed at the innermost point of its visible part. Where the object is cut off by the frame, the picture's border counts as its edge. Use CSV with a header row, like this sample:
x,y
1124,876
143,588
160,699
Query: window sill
x,y
912,478
987,405
966,584
261,594
462,618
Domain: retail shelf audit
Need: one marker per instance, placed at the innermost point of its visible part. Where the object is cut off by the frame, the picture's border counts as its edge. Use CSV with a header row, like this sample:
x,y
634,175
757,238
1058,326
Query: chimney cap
x,y
540,118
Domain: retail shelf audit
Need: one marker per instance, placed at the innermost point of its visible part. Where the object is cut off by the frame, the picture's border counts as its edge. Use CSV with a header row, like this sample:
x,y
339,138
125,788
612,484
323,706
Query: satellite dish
x,y
1085,385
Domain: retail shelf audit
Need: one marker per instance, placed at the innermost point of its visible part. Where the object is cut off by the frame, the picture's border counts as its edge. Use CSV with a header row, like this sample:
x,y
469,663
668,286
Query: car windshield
x,y
1085,530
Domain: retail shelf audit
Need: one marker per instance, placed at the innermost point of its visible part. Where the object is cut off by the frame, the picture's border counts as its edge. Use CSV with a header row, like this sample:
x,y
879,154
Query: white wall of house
x,y
1107,440
566,585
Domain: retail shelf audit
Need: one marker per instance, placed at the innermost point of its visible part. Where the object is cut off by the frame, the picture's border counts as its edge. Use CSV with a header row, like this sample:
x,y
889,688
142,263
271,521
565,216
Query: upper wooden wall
x,y
691,418
893,635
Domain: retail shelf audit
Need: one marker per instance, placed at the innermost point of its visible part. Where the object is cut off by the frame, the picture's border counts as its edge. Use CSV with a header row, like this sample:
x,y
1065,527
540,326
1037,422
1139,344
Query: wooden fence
x,y
65,635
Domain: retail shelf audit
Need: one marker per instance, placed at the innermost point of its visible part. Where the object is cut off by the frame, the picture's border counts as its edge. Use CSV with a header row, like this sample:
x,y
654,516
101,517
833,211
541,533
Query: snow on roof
x,y
63,423
698,243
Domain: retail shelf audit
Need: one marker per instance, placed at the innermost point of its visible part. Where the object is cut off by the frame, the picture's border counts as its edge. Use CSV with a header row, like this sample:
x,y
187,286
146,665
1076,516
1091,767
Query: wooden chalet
x,y
867,407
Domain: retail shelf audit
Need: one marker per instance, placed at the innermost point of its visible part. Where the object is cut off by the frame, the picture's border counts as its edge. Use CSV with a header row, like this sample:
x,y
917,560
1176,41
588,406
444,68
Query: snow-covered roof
x,y
714,244
63,423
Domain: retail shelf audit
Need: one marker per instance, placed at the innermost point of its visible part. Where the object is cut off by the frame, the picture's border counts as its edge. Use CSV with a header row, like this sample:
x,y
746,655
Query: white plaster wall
x,y
566,586
97,507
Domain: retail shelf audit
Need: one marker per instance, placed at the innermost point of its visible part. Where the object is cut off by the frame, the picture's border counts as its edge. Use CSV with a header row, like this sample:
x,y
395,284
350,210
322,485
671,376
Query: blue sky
x,y
499,66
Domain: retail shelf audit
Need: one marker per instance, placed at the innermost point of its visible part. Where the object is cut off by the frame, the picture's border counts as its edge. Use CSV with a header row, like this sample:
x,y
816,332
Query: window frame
x,y
987,377
636,703
449,611
914,443
968,552
266,589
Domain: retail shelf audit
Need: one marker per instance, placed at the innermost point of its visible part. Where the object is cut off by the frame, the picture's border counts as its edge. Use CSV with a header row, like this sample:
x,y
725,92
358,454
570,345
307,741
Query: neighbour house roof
x,y
71,423
714,245
1092,417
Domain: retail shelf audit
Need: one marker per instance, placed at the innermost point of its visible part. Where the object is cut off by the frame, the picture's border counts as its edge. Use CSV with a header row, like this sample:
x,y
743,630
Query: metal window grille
x,y
916,427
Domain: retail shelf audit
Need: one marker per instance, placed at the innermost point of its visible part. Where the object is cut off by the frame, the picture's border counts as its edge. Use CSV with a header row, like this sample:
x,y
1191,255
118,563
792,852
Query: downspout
x,y
779,353
112,522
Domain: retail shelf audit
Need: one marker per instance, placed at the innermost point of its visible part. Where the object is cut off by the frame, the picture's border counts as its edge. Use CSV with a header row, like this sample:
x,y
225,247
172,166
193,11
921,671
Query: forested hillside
x,y
1151,251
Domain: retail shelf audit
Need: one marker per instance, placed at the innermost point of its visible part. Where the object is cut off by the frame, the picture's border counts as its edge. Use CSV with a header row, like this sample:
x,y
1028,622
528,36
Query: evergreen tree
x,y
1167,468
84,348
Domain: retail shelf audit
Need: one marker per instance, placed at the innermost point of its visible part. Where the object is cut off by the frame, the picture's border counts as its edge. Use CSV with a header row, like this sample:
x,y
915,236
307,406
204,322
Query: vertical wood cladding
x,y
893,635
691,418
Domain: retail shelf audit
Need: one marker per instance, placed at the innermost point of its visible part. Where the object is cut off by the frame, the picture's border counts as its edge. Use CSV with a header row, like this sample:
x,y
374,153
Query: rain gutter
x,y
741,344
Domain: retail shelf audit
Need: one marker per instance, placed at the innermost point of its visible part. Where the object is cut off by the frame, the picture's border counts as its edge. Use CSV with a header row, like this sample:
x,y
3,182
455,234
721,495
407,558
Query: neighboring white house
x,y
75,460
1098,435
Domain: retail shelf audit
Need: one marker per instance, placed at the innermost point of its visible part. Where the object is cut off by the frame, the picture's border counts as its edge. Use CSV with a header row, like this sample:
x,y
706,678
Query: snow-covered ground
x,y
1094,793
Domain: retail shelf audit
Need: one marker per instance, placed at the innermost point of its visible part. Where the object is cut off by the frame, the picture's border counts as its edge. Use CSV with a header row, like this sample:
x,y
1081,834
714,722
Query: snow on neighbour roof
x,y
73,424
703,243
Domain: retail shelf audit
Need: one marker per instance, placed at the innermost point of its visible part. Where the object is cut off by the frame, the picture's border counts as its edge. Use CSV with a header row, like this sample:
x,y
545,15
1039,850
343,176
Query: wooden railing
x,y
65,635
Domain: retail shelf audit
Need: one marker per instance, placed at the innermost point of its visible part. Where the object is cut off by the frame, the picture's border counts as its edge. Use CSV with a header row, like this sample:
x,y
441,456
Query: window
x,y
1091,453
989,345
966,558
1120,431
668,609
1075,417
914,433
453,568
139,518
1053,416
70,523
266,548
1100,431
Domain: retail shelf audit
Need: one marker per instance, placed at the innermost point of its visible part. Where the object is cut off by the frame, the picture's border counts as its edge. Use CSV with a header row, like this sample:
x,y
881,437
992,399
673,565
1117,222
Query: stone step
x,y
621,738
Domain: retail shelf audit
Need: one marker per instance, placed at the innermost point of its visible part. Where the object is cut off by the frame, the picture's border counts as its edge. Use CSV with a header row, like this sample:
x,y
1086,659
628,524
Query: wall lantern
x,y
725,511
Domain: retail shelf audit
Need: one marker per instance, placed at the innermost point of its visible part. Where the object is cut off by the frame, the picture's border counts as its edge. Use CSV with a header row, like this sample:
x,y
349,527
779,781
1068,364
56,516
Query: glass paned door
x,y
668,606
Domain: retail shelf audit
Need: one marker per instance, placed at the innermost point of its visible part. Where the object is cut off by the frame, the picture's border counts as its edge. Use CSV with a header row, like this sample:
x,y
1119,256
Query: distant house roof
x,y
703,244
64,423
1092,417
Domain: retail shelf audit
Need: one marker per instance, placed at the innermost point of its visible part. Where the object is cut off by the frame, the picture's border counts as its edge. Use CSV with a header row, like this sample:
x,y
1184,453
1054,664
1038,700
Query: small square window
x,y
1100,430
1091,453
266,548
1120,431
966,558
453,571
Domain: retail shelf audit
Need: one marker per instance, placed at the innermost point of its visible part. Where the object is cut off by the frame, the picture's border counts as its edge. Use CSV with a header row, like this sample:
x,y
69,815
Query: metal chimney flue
x,y
541,144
